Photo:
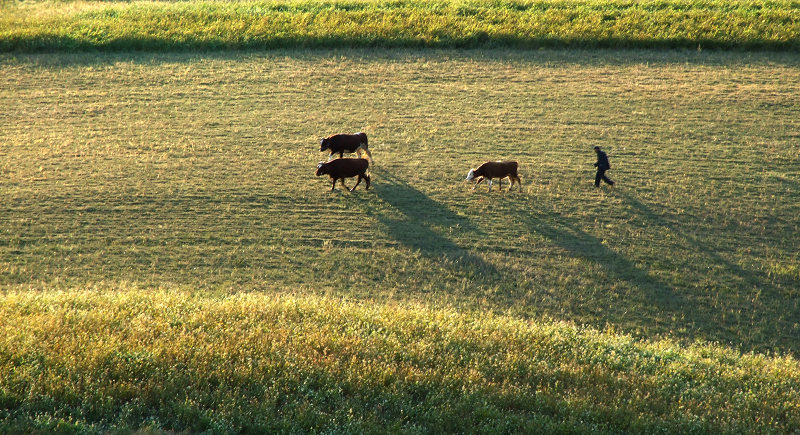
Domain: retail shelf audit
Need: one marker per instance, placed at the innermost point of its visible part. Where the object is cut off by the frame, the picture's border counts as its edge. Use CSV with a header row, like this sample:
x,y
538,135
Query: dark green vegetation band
x,y
692,24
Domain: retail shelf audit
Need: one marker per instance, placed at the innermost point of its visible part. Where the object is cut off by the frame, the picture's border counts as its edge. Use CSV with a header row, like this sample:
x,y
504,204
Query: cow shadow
x,y
661,307
751,294
419,223
655,218
577,243
743,308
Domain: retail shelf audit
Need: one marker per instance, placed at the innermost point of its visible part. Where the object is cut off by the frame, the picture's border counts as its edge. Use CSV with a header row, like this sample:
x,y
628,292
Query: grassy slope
x,y
104,359
48,26
181,171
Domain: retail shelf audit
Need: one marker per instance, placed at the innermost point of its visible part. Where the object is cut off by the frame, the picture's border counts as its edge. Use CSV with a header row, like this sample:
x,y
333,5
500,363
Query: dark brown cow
x,y
340,169
497,170
341,143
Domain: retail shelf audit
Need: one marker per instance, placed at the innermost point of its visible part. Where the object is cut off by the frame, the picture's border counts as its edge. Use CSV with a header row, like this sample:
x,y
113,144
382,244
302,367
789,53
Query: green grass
x,y
111,359
151,201
81,25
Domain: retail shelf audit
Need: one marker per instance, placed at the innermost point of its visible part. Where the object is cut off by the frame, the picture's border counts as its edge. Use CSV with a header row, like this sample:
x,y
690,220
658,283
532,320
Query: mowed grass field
x,y
165,242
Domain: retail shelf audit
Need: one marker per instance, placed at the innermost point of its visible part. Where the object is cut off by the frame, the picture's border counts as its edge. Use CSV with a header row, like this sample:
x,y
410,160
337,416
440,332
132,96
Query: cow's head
x,y
471,175
324,144
321,169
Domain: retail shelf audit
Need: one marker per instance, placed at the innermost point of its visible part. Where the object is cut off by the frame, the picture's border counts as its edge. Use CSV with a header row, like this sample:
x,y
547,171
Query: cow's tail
x,y
362,138
364,144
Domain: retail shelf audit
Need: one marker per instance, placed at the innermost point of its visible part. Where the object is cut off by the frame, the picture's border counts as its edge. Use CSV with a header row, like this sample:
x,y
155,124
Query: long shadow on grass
x,y
770,303
749,278
566,234
551,58
414,225
656,304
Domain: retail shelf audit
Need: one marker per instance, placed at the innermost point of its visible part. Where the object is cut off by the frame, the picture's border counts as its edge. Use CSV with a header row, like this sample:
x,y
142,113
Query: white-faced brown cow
x,y
492,170
340,169
341,143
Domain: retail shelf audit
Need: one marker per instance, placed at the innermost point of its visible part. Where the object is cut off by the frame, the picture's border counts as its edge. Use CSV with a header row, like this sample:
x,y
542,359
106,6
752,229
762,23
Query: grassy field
x,y
123,358
158,209
93,25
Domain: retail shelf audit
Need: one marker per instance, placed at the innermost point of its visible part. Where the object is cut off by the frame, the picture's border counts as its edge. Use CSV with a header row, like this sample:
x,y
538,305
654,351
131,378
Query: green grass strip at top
x,y
400,23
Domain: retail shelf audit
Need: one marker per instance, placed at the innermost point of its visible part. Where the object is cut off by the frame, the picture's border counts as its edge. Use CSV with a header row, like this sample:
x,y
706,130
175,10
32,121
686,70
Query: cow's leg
x,y
490,185
369,154
357,183
480,180
333,186
330,157
345,186
366,177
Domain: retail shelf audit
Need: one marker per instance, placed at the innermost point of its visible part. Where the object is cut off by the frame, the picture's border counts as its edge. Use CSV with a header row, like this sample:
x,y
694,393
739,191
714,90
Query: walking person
x,y
602,166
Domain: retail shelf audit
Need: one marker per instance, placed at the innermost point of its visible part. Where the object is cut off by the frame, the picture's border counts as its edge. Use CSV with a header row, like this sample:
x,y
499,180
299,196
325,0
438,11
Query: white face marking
x,y
319,165
470,175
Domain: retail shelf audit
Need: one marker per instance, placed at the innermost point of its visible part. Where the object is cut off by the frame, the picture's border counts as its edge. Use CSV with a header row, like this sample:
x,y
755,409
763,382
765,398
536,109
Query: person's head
x,y
597,149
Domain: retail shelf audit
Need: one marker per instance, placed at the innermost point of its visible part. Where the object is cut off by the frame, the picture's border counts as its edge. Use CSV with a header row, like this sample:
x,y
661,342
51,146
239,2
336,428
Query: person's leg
x,y
607,180
598,177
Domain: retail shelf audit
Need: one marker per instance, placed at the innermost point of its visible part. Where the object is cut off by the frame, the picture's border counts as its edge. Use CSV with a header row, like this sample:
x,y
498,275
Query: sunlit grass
x,y
169,260
35,26
127,358
199,171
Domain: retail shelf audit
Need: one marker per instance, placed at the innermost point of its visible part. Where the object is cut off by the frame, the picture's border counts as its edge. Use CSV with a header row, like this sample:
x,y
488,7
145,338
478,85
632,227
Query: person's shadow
x,y
745,277
658,305
751,297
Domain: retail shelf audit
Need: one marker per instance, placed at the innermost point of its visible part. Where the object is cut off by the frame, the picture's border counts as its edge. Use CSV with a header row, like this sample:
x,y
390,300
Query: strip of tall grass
x,y
48,26
122,358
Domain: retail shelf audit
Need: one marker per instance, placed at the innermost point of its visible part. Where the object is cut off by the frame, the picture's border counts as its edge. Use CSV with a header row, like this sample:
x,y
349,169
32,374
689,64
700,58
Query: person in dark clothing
x,y
602,166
